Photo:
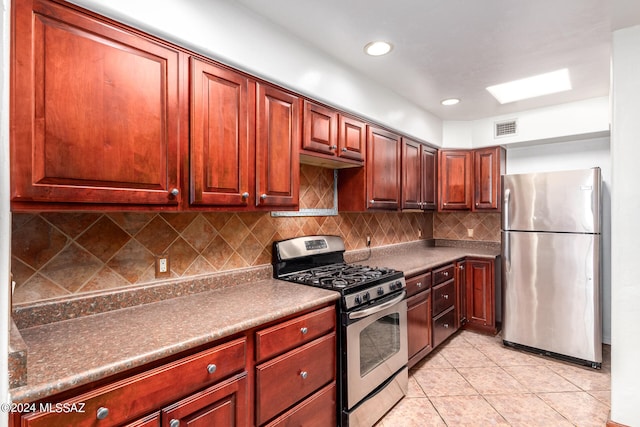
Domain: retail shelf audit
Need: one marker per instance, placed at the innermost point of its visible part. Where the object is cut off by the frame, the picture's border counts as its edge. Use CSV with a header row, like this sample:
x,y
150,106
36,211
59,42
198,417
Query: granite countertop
x,y
74,352
67,354
414,259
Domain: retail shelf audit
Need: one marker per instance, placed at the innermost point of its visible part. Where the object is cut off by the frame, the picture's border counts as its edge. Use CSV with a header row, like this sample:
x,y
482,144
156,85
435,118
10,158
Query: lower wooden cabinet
x,y
444,325
223,405
480,295
293,378
419,326
294,368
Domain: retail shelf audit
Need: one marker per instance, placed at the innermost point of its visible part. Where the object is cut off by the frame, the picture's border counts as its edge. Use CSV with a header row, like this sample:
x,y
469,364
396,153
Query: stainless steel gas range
x,y
372,353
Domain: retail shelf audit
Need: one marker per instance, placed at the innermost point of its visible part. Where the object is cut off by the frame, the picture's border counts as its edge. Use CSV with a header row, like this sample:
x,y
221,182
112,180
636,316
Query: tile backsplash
x,y
57,255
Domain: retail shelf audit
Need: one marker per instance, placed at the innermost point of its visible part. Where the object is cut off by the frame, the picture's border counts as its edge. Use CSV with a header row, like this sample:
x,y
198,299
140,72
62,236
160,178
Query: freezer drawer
x,y
552,293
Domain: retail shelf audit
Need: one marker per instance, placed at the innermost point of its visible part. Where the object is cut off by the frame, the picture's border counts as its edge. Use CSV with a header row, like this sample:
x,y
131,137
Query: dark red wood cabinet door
x,y
487,170
220,151
454,171
419,322
411,174
383,169
223,405
429,178
94,111
352,138
277,142
320,131
480,293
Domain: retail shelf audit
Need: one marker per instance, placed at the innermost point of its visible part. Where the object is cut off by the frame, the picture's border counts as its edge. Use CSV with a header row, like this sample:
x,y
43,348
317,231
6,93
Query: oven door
x,y
376,346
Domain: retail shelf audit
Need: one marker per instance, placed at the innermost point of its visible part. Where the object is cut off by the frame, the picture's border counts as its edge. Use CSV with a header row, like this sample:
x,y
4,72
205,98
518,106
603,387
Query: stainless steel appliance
x,y
551,271
372,357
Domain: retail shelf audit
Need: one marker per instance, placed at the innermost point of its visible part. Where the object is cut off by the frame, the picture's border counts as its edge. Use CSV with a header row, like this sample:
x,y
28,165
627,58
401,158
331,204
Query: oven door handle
x,y
373,310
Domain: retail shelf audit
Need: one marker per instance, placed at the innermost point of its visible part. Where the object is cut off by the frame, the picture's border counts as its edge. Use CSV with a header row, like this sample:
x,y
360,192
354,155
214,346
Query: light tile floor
x,y
473,380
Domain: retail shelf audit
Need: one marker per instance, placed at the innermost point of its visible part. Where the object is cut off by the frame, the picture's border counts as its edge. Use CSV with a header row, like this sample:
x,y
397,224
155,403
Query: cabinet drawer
x,y
443,274
288,335
443,326
287,379
131,398
444,296
418,284
317,411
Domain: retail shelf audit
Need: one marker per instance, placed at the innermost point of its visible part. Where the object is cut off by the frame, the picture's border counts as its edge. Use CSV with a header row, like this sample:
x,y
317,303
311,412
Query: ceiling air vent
x,y
506,128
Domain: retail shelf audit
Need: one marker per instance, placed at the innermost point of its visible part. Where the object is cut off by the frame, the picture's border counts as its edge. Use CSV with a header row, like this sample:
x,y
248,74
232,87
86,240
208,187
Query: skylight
x,y
531,87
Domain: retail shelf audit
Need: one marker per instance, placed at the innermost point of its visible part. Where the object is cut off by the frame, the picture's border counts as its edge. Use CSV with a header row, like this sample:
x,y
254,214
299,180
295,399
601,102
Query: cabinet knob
x,y
446,274
419,284
174,423
477,204
445,296
462,267
263,196
446,326
304,330
102,413
304,375
372,201
333,147
245,195
211,368
174,192
344,150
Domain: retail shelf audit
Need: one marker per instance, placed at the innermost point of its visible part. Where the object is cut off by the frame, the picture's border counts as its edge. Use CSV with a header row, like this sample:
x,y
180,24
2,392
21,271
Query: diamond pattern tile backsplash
x,y
58,255
455,226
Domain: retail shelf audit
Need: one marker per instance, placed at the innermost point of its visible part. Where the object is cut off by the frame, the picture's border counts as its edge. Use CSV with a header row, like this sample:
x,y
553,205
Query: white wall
x,y
579,154
5,215
625,230
233,34
575,120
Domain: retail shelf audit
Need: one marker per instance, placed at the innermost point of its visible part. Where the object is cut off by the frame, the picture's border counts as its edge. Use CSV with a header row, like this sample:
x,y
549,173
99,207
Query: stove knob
x,y
398,284
358,300
366,296
380,291
392,286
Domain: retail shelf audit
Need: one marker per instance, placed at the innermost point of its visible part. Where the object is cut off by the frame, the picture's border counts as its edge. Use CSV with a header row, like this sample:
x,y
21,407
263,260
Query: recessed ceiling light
x,y
377,48
450,101
531,87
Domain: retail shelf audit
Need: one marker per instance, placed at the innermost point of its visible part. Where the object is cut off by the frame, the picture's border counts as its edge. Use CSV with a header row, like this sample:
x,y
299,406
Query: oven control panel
x,y
373,293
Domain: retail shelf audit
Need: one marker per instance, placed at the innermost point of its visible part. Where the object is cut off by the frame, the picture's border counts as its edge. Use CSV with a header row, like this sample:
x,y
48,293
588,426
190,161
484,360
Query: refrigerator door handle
x,y
507,252
505,210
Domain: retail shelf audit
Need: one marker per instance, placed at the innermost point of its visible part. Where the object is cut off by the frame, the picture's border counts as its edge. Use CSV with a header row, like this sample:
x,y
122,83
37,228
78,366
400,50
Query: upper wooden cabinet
x,y
454,177
419,175
277,144
377,185
331,139
94,111
222,145
470,179
488,165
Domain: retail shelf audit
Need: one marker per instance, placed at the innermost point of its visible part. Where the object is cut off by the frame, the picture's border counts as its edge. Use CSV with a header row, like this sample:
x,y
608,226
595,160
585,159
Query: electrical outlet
x,y
162,266
470,232
368,241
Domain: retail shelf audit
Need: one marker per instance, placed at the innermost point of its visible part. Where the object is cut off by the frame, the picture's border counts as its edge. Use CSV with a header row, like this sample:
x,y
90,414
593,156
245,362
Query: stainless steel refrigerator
x,y
551,264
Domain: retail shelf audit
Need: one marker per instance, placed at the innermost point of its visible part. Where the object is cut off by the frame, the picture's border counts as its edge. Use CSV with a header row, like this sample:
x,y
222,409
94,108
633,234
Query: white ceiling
x,y
456,48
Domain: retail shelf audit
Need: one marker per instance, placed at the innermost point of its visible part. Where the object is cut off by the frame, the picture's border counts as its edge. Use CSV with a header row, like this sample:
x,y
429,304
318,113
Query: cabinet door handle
x,y
372,201
174,192
263,196
304,375
102,413
211,368
245,195
304,330
333,147
174,423
344,150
